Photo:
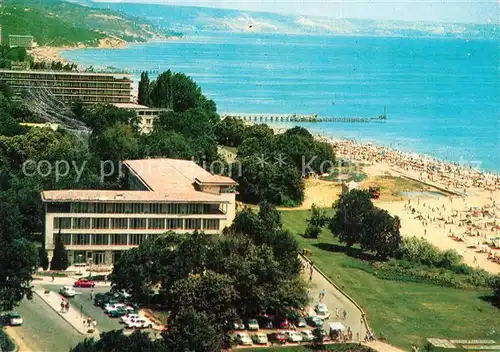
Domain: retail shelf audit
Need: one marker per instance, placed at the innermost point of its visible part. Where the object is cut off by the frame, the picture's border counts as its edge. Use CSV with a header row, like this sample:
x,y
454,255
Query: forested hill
x,y
58,23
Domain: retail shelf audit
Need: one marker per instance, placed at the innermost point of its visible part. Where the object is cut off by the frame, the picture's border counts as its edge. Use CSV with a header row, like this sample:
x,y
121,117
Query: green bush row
x,y
51,272
6,343
406,271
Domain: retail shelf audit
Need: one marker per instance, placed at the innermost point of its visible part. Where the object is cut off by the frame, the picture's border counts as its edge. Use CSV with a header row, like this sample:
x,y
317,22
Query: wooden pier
x,y
252,117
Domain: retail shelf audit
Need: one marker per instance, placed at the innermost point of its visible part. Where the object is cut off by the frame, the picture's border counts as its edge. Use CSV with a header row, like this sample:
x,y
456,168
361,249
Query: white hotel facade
x,y
164,195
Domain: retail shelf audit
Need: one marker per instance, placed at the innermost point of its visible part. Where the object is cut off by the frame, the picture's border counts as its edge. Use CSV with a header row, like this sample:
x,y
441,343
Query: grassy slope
x,y
56,23
403,312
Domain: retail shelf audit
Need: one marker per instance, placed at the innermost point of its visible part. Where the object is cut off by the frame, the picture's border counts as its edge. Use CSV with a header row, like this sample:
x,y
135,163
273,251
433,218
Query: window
x,y
137,238
62,223
65,237
100,208
174,209
119,223
100,239
100,223
211,224
155,208
119,239
58,208
138,208
119,208
81,240
80,207
156,224
81,223
174,224
137,223
193,224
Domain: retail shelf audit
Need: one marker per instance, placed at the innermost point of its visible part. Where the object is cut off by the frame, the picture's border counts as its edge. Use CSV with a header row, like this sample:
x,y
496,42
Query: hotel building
x,y
21,41
87,87
146,114
164,195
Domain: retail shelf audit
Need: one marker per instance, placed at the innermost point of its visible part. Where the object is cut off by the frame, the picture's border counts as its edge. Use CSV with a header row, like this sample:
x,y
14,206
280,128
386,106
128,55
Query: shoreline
x,y
467,219
52,53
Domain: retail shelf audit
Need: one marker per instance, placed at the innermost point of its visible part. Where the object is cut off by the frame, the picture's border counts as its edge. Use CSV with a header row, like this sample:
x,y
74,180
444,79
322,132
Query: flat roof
x,y
167,180
67,73
137,107
103,196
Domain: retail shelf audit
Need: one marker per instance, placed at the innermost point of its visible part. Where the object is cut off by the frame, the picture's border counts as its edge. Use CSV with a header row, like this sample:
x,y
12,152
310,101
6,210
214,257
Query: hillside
x,y
187,19
59,23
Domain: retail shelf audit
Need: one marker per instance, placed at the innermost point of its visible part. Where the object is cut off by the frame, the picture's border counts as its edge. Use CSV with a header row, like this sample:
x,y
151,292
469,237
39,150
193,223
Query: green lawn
x,y
402,312
351,347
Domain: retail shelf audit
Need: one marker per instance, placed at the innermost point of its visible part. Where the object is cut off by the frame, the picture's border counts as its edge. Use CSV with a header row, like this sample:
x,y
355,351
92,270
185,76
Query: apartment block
x,y
146,114
96,226
23,41
87,87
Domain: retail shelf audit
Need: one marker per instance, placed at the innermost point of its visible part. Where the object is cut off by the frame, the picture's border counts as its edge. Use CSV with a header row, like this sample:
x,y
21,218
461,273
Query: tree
x,y
315,222
18,260
116,341
230,131
382,234
210,293
143,96
349,222
60,255
270,217
191,330
43,259
279,185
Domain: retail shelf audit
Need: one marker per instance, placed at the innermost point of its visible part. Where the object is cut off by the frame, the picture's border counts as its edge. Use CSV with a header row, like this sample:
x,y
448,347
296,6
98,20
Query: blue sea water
x,y
442,95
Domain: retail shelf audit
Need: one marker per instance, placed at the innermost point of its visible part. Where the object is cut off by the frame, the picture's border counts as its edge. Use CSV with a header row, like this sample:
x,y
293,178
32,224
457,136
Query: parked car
x,y
129,316
300,322
14,319
84,283
67,291
239,325
283,323
322,311
116,306
265,322
259,339
307,335
314,321
277,337
140,323
118,313
293,336
320,333
252,324
243,339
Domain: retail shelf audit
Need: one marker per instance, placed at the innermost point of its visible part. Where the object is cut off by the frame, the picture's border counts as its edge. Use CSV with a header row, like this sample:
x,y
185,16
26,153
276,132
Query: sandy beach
x,y
460,212
48,53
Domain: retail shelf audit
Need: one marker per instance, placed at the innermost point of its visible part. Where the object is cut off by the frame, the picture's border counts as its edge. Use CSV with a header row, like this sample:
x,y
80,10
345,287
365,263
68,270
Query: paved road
x,y
43,329
336,300
83,304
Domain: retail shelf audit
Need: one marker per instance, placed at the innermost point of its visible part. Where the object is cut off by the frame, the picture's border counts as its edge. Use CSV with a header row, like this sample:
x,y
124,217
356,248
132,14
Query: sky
x,y
461,11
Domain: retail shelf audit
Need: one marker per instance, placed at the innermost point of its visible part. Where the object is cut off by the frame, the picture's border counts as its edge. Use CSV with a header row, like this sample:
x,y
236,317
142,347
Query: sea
x,y
441,95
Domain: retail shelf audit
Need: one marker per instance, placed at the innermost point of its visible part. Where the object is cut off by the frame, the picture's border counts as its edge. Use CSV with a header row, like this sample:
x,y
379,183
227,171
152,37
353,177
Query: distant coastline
x,y
53,53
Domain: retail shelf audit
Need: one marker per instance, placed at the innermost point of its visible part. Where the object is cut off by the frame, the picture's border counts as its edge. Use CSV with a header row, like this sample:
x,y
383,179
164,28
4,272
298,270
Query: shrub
x,y
51,272
43,259
6,343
